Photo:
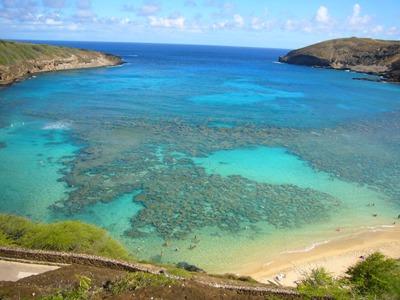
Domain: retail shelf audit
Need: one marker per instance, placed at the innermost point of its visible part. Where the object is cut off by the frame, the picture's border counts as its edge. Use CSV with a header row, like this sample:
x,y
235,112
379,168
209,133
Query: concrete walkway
x,y
13,271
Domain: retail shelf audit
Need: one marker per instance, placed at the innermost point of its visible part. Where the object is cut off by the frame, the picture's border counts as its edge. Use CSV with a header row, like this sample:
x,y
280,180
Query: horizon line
x,y
145,43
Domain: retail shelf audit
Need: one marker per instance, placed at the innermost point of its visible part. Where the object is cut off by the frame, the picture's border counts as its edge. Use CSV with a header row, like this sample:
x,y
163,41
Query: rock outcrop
x,y
18,60
364,55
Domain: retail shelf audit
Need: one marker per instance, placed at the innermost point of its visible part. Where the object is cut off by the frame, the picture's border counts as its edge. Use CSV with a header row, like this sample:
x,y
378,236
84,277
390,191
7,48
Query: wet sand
x,y
335,256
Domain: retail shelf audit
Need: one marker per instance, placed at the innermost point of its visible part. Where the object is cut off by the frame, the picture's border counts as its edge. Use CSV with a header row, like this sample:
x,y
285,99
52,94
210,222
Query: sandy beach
x,y
335,256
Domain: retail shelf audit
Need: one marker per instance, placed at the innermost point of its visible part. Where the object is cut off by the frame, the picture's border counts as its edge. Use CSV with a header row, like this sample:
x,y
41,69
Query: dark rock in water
x,y
357,54
179,197
189,267
366,79
3,145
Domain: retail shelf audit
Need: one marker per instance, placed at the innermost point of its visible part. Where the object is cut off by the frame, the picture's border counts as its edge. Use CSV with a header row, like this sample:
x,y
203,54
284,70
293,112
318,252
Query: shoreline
x,y
34,74
335,256
29,59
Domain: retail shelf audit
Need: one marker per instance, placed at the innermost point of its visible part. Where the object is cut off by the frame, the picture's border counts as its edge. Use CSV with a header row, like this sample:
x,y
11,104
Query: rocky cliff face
x,y
18,60
360,55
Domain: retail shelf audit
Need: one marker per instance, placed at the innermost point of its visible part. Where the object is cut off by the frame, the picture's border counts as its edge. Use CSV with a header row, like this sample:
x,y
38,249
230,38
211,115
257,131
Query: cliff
x,y
364,55
18,60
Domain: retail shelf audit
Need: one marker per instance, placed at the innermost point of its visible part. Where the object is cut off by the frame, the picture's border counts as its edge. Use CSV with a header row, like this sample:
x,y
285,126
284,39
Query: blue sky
x,y
254,23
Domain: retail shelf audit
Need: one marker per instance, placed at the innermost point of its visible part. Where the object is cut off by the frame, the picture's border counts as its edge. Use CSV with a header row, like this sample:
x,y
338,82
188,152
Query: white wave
x,y
277,62
309,248
59,125
376,228
120,66
268,263
17,124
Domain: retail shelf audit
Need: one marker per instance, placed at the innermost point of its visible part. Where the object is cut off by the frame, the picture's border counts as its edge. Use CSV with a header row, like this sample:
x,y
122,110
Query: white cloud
x,y
220,25
377,29
178,22
72,27
259,24
393,31
289,25
357,20
239,21
236,21
149,9
51,21
125,21
322,15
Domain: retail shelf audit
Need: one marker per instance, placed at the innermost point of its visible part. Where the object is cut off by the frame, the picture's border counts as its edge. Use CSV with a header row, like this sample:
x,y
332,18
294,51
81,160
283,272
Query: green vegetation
x,y
81,292
4,241
70,236
320,283
129,283
178,271
376,277
12,52
138,280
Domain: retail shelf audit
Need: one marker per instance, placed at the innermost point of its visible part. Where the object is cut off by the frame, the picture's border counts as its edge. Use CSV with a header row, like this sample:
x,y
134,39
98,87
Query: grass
x,y
81,292
68,236
138,280
178,271
15,52
131,282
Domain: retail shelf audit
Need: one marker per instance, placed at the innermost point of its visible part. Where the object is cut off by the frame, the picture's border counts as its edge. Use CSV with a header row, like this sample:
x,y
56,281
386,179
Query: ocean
x,y
217,156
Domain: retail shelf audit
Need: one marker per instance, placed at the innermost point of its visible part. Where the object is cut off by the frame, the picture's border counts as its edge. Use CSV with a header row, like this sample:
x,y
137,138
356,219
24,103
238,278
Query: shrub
x,y
14,227
71,236
376,276
319,283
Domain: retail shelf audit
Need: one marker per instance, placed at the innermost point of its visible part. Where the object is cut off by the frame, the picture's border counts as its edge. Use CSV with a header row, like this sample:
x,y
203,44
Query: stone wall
x,y
74,258
97,261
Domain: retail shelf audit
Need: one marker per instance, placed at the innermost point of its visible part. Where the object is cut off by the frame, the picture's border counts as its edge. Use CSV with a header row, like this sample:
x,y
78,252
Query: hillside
x,y
18,60
83,264
357,54
91,265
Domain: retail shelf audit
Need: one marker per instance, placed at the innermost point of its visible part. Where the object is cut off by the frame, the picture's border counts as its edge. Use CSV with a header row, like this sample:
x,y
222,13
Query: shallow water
x,y
217,156
30,167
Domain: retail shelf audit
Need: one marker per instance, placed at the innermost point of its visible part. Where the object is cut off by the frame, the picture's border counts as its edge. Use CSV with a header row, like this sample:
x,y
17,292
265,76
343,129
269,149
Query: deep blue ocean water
x,y
245,84
224,87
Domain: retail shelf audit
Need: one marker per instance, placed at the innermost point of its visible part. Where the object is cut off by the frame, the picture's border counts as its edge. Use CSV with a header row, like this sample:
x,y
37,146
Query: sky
x,y
253,23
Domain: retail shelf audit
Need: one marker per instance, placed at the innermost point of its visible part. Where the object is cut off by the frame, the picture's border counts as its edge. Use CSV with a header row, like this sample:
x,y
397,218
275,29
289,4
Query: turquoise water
x,y
113,216
212,155
30,167
278,166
